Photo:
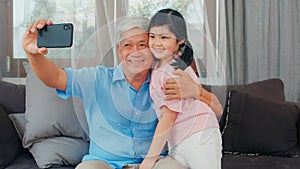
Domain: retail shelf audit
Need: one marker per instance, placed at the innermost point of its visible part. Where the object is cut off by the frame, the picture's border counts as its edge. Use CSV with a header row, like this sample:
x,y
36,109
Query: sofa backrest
x,y
12,97
271,89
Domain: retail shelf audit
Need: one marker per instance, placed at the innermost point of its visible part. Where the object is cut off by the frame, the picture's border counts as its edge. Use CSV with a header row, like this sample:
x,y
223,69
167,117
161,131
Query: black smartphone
x,y
56,36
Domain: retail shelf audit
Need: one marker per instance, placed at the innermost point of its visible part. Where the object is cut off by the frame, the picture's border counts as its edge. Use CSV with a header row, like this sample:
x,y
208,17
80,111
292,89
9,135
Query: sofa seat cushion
x,y
230,161
25,160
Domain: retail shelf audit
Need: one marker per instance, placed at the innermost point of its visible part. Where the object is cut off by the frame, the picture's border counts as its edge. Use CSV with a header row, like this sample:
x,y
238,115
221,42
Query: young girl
x,y
189,125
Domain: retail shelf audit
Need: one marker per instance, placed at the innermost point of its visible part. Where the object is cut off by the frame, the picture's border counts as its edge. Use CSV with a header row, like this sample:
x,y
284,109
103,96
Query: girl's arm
x,y
210,99
160,137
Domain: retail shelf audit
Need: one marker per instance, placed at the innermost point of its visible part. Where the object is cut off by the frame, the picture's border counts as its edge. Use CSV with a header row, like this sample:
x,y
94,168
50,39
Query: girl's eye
x,y
152,36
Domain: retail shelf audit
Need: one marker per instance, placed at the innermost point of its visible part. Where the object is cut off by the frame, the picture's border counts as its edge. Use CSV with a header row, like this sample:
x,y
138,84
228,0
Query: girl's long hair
x,y
177,25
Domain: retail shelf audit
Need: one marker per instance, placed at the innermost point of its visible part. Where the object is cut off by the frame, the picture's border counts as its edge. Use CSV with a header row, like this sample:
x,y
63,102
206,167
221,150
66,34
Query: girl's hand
x,y
147,164
29,41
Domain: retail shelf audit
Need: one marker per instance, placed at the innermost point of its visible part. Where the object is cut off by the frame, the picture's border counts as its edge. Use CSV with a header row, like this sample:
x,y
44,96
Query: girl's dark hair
x,y
176,23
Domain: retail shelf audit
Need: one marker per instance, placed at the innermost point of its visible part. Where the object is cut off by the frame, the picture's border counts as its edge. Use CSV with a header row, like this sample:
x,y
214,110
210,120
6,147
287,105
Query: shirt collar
x,y
119,75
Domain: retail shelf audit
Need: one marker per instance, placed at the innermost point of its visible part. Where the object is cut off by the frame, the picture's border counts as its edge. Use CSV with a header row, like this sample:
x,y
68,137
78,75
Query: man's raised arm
x,y
45,69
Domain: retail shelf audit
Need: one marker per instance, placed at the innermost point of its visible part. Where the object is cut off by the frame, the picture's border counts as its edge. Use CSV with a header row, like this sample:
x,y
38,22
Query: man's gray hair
x,y
131,22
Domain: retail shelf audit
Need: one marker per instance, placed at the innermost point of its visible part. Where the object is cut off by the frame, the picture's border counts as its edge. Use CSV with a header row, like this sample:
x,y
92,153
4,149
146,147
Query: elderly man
x,y
117,102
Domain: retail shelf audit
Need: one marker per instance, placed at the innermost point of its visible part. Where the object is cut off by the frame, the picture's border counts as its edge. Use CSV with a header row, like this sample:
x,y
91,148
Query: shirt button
x,y
137,113
133,129
135,143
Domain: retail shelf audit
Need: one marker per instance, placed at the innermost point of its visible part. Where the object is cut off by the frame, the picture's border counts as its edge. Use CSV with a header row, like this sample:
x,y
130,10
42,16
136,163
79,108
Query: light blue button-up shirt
x,y
121,119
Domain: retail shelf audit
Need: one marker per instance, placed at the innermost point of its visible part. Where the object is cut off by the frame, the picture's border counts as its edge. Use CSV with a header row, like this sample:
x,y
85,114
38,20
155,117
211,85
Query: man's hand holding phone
x,y
44,34
29,41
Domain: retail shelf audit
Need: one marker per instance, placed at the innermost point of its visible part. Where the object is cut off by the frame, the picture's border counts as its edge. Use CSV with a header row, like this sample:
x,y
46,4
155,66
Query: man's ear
x,y
181,41
119,52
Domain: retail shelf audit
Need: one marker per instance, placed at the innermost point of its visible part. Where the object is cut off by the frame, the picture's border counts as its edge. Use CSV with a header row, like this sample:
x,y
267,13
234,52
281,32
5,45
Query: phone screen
x,y
56,36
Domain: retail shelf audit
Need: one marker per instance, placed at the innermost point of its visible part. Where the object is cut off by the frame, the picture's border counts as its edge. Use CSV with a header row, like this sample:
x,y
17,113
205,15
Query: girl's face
x,y
163,43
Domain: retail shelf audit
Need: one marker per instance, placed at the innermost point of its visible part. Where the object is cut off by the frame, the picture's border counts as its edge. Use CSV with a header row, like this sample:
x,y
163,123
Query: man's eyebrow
x,y
125,40
143,40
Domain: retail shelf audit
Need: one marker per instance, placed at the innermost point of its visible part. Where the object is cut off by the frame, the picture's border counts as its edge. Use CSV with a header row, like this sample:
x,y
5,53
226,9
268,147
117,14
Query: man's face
x,y
134,51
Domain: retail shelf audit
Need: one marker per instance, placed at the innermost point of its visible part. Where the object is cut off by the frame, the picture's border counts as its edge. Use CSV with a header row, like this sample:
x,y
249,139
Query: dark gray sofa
x,y
12,99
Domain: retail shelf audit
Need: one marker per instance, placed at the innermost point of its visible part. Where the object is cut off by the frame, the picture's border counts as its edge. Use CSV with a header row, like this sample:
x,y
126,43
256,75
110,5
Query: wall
x,y
15,68
6,30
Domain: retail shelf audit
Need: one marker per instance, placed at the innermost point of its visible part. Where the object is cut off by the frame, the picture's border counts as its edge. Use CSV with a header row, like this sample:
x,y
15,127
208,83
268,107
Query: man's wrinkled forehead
x,y
135,34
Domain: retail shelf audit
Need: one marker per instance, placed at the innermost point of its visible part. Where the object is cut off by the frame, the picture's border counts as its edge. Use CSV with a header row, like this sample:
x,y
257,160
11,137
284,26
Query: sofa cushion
x,y
58,151
9,141
272,89
47,115
19,122
259,126
56,147
12,97
49,119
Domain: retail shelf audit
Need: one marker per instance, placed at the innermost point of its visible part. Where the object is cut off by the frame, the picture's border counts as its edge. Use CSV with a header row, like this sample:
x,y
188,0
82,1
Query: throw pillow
x,y
53,133
10,144
47,115
19,122
258,126
272,89
57,151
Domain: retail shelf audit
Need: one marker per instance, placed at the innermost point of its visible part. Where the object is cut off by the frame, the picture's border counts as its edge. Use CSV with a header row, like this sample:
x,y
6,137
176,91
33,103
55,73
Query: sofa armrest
x,y
298,122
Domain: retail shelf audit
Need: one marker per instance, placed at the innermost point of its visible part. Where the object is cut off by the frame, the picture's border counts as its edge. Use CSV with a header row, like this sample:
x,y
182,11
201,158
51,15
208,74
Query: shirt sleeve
x,y
79,82
158,79
67,93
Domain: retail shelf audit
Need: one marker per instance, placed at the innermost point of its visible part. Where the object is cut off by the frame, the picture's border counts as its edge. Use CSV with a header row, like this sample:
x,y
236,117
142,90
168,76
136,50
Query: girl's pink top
x,y
193,115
